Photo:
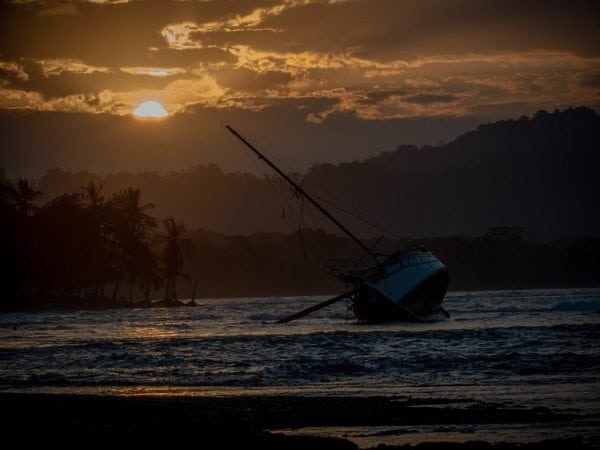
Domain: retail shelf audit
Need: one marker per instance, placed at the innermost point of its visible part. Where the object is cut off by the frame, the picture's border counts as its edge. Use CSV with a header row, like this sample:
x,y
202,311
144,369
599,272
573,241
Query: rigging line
x,y
261,174
292,169
270,142
259,170
278,191
279,197
302,191
361,215
302,246
316,221
357,214
361,219
283,163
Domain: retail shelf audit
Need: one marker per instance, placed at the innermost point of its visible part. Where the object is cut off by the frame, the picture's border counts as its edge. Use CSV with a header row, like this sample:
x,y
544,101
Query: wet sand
x,y
253,421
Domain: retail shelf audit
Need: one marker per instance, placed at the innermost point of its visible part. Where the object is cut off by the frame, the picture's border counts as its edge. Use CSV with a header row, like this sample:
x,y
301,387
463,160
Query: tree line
x,y
282,264
83,249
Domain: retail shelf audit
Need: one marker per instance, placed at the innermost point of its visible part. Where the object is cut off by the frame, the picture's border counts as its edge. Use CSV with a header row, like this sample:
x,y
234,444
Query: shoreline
x,y
254,421
109,304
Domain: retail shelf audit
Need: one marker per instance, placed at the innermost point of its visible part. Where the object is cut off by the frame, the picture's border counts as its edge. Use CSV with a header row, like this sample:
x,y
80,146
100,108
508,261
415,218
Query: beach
x,y
256,421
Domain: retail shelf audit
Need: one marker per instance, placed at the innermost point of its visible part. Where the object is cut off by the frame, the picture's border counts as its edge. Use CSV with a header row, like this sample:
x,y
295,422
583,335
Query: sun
x,y
150,110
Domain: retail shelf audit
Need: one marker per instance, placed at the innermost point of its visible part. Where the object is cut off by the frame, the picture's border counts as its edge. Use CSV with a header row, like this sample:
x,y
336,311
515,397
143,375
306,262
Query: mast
x,y
298,188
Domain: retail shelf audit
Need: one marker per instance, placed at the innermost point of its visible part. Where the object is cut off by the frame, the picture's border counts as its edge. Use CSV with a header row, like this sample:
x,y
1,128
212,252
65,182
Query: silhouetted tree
x,y
93,195
23,196
66,245
13,249
175,249
98,211
129,228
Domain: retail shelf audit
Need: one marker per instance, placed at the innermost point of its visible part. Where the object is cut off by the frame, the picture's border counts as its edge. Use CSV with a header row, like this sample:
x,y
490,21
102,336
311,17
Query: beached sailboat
x,y
404,286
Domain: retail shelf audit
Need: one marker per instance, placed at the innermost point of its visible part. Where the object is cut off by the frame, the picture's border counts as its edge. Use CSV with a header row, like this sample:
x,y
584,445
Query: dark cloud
x,y
247,80
383,94
100,34
103,34
121,34
589,79
425,99
69,83
167,57
11,78
387,30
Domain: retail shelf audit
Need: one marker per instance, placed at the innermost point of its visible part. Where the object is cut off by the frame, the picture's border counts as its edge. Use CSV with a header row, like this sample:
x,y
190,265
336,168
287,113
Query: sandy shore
x,y
244,422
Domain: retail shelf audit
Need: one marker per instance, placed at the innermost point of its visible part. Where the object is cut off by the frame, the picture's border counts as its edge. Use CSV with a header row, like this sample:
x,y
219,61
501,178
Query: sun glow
x,y
150,110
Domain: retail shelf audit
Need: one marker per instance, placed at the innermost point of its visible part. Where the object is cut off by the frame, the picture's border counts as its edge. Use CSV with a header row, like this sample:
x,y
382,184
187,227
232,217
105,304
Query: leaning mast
x,y
300,190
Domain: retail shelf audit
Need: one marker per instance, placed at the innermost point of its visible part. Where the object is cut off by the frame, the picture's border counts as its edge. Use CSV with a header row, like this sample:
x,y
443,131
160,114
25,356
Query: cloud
x,y
424,99
100,34
18,98
189,56
383,30
244,79
53,67
11,71
59,9
61,78
153,71
375,60
588,79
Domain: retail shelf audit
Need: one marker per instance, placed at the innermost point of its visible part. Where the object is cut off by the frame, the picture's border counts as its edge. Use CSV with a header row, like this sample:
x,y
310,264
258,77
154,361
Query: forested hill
x,y
540,173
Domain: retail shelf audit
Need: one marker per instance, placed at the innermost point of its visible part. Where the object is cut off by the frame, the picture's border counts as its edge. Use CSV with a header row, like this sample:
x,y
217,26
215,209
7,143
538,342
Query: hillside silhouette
x,y
540,173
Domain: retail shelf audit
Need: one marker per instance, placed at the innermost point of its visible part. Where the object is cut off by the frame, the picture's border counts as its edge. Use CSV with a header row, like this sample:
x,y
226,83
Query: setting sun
x,y
150,109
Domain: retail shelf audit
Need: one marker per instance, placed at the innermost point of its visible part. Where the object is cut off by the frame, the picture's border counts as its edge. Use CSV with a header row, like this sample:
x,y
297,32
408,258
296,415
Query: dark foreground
x,y
244,422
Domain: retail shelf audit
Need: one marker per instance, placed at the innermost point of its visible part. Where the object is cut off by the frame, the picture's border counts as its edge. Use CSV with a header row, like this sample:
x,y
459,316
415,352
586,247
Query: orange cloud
x,y
373,59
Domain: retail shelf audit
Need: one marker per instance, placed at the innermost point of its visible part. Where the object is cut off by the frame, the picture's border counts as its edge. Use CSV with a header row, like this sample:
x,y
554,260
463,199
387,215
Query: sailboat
x,y
403,286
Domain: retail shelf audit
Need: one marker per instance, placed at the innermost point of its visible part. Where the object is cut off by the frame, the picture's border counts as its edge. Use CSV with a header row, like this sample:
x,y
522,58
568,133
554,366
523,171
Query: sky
x,y
310,80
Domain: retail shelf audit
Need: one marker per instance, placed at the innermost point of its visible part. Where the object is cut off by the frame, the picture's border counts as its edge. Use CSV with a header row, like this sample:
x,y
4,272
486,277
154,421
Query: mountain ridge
x,y
539,173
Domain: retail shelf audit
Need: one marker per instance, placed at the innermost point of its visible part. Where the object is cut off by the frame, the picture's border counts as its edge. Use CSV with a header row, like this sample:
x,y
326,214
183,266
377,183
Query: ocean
x,y
533,348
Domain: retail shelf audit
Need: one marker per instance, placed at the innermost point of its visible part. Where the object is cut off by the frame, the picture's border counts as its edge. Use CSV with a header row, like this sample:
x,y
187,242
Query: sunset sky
x,y
311,80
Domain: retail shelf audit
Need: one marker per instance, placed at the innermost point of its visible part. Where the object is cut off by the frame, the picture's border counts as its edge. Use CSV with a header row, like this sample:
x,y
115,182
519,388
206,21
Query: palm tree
x,y
92,194
23,197
175,250
129,230
17,209
102,250
135,219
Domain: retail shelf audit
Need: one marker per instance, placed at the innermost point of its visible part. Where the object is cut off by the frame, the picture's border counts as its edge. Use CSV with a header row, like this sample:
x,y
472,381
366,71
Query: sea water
x,y
514,348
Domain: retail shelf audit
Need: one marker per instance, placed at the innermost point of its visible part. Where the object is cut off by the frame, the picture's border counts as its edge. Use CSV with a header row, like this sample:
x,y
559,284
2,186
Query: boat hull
x,y
419,304
407,287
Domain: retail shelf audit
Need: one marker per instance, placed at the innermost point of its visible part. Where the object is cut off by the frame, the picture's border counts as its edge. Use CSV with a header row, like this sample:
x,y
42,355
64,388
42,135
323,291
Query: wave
x,y
48,379
263,317
577,305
